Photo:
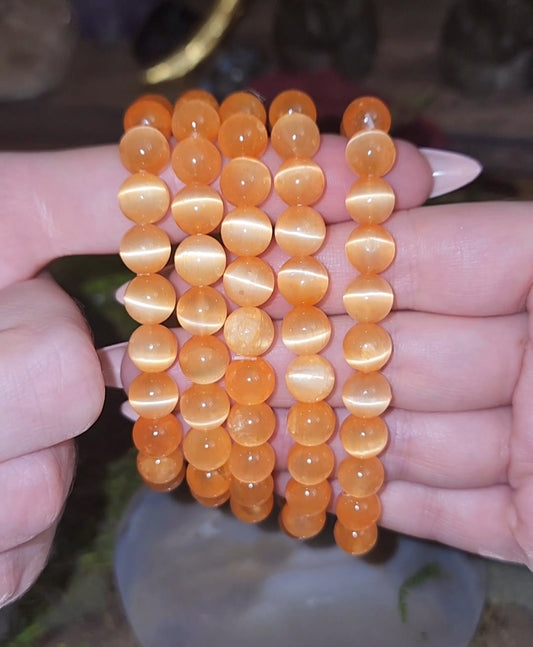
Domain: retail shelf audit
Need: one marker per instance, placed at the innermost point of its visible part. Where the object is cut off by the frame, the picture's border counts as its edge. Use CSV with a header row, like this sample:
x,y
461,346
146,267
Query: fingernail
x,y
128,412
111,360
451,171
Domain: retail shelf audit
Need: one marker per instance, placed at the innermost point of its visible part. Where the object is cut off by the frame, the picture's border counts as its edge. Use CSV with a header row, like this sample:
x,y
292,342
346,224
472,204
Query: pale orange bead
x,y
356,513
242,135
299,181
251,424
204,359
361,477
251,464
366,395
365,113
246,231
367,347
144,148
210,484
196,160
364,437
197,209
153,395
289,102
370,249
153,348
301,526
145,249
253,513
311,423
200,259
310,465
207,450
195,117
201,310
248,494
160,470
368,298
144,198
159,437
204,406
295,135
371,152
300,230
249,331
310,378
211,502
250,381
303,280
370,200
159,98
308,499
245,182
248,281
148,112
355,542
197,94
305,330
244,102
150,298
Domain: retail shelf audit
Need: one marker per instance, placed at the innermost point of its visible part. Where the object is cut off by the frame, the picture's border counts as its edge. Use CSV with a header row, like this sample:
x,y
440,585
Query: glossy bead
x,y
144,148
243,102
160,469
370,249
245,182
308,499
305,330
300,230
310,465
361,477
144,198
289,102
145,249
251,464
249,331
366,395
148,112
248,494
357,512
169,485
368,298
212,502
195,117
246,231
295,135
159,437
159,98
310,378
254,513
355,542
367,347
250,381
365,113
303,280
201,310
153,348
150,298
153,395
370,152
197,209
299,180
196,159
210,484
311,423
204,406
301,526
364,437
203,359
197,94
248,281
200,259
242,135
207,450
370,200
251,424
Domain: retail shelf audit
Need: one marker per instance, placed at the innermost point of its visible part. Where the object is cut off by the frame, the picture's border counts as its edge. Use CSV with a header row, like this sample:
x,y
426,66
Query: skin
x,y
459,463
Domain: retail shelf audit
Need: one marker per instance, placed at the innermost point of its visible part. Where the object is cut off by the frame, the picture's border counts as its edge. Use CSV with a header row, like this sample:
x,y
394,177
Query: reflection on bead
x,y
153,395
364,437
144,198
204,406
311,423
365,113
159,437
295,135
162,469
195,117
246,231
299,181
357,512
245,182
305,330
196,159
300,230
310,378
253,513
197,94
301,526
200,259
145,249
242,135
150,298
248,281
355,542
242,102
210,484
289,102
251,464
250,381
148,112
368,298
152,348
370,249
197,209
201,310
370,200
207,450
361,477
249,331
367,347
204,359
251,424
308,499
249,494
144,148
310,465
371,152
303,280
366,395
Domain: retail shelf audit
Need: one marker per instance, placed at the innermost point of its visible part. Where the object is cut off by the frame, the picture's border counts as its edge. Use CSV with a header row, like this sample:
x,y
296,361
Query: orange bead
x,y
250,381
153,348
251,424
249,331
371,152
249,494
367,347
204,406
204,359
150,298
201,310
248,281
368,298
253,513
170,485
299,181
200,259
159,437
303,280
210,484
305,330
310,378
245,182
289,102
311,423
153,395
159,98
196,160
207,450
310,465
355,542
295,135
308,499
370,249
197,209
365,113
251,464
144,148
195,117
147,112
301,526
243,102
300,230
160,470
246,231
145,249
364,437
242,135
370,200
361,477
197,94
366,395
212,502
144,198
356,513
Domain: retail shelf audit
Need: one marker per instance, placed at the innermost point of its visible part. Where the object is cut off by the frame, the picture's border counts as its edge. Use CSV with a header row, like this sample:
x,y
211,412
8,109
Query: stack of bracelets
x,y
226,454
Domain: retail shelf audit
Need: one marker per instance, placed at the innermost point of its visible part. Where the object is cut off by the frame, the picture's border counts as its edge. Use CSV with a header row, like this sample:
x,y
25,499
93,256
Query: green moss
x,y
429,571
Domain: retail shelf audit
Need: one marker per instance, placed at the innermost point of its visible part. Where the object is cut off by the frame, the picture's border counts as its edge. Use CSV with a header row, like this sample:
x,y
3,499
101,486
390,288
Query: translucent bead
x,y
300,230
244,102
197,94
212,502
366,395
355,542
248,281
210,484
159,437
308,499
364,437
305,330
144,198
159,470
310,465
200,259
311,423
169,485
361,477
204,406
159,98
365,113
370,249
253,513
204,359
249,331
310,378
370,200
144,148
153,348
291,101
250,381
249,494
368,298
195,117
153,395
197,209
245,182
367,347
242,135
295,135
150,298
371,152
357,512
196,159
201,310
251,464
246,231
303,280
299,181
145,249
251,424
299,525
207,450
148,112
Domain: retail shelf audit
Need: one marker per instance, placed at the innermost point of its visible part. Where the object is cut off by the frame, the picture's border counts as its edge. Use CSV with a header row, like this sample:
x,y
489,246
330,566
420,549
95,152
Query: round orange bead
x,y
249,494
153,395
242,135
371,152
299,181
197,209
251,424
361,477
201,310
150,298
305,330
211,484
145,249
204,406
364,437
144,198
289,102
367,347
204,359
160,470
144,148
251,464
196,160
368,298
250,381
212,502
295,135
310,378
244,102
152,348
195,117
159,437
355,542
303,280
207,450
356,513
148,112
200,260
308,499
253,513
249,331
310,465
365,113
300,231
246,231
311,423
370,249
248,281
197,94
301,526
245,182
159,98
370,200
366,395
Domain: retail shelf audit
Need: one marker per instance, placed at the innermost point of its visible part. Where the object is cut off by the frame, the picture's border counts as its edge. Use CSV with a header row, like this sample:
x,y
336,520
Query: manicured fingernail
x,y
451,171
128,412
111,360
